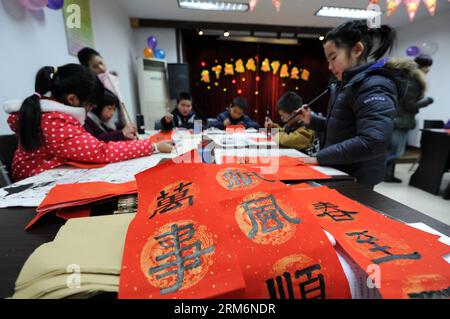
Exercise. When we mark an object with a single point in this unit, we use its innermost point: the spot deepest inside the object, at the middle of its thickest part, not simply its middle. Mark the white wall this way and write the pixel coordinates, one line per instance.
(435, 29)
(29, 41)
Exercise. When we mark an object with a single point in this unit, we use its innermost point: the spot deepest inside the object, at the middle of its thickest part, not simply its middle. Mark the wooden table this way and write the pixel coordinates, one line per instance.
(16, 244)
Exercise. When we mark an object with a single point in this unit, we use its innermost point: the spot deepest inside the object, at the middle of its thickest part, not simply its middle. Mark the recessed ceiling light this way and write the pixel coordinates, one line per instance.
(321, 38)
(226, 34)
(200, 32)
(213, 5)
(350, 13)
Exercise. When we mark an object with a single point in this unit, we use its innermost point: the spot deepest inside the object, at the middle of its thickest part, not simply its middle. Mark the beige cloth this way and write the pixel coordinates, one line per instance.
(90, 247)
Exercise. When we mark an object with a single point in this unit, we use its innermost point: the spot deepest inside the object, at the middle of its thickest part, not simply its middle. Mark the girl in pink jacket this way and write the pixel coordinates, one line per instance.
(51, 132)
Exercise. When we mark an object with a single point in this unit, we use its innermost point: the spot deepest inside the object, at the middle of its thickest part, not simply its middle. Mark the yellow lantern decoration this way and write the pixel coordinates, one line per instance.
(265, 65)
(240, 66)
(295, 73)
(275, 66)
(305, 75)
(217, 70)
(284, 72)
(251, 66)
(205, 76)
(229, 69)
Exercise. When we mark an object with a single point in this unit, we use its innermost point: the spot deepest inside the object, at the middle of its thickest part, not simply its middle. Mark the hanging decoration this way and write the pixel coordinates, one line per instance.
(240, 66)
(251, 65)
(295, 73)
(411, 7)
(431, 6)
(277, 5)
(275, 66)
(305, 75)
(205, 76)
(229, 69)
(217, 70)
(252, 4)
(284, 72)
(391, 6)
(265, 65)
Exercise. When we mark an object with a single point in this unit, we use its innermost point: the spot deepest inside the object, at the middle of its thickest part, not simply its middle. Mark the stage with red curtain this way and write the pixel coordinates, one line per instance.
(261, 89)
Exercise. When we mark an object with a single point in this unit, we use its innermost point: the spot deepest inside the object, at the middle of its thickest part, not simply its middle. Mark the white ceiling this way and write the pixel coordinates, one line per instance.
(293, 12)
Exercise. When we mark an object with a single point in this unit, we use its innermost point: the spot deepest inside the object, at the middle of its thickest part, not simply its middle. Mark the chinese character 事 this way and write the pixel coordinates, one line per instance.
(266, 210)
(173, 201)
(333, 211)
(237, 178)
(311, 288)
(364, 238)
(182, 257)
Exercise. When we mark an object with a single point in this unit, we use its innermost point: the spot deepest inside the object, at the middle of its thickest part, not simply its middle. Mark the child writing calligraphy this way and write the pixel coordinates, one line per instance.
(357, 130)
(50, 129)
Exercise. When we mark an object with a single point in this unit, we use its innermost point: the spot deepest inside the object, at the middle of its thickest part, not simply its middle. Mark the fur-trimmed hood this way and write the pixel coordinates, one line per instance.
(408, 66)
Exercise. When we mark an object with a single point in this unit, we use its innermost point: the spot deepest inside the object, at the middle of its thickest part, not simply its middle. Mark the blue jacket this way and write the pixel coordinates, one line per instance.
(357, 130)
(248, 123)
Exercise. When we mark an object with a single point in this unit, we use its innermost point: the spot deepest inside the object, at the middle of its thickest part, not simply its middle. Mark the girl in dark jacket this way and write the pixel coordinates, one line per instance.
(357, 130)
(99, 121)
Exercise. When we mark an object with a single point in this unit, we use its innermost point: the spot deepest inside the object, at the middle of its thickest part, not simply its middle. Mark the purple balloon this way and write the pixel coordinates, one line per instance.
(55, 4)
(152, 42)
(413, 51)
(34, 5)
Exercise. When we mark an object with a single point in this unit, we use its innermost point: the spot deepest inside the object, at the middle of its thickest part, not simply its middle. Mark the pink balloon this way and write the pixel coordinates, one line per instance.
(34, 5)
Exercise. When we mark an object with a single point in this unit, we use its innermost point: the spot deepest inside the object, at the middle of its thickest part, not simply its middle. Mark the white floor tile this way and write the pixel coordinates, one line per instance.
(429, 204)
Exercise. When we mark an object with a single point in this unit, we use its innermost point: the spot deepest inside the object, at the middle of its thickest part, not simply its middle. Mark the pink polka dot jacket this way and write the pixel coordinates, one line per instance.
(64, 139)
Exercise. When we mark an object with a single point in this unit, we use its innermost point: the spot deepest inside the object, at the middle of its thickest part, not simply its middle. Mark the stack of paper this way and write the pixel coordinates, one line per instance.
(83, 260)
(77, 197)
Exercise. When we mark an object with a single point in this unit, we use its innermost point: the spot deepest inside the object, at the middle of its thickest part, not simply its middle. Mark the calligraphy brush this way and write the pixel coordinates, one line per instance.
(307, 106)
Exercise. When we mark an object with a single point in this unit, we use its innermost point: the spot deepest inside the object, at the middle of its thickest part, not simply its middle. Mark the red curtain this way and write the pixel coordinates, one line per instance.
(210, 52)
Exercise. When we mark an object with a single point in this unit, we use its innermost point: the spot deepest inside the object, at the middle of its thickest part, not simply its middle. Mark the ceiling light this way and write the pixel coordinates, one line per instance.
(200, 32)
(350, 13)
(321, 38)
(213, 5)
(226, 34)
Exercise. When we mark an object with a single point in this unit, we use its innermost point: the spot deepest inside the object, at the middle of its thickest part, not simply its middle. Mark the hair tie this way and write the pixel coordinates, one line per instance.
(38, 95)
(55, 70)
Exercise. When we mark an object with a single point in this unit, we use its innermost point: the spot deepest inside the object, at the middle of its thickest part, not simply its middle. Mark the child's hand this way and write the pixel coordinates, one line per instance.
(226, 122)
(165, 147)
(268, 123)
(129, 131)
(168, 118)
(304, 114)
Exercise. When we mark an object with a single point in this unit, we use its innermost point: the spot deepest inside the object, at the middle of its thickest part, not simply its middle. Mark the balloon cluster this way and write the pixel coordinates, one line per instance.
(152, 51)
(36, 5)
(428, 48)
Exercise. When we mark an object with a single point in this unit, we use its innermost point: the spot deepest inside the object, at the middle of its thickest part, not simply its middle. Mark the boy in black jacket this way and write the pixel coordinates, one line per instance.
(183, 115)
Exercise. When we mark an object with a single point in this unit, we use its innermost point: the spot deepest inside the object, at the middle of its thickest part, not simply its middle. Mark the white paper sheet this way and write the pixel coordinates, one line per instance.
(330, 171)
(31, 191)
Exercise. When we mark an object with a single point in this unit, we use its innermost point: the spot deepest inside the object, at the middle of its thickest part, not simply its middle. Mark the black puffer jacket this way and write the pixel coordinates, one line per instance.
(414, 98)
(357, 130)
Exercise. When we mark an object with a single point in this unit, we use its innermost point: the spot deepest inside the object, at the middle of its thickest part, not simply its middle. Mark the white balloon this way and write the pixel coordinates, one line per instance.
(429, 48)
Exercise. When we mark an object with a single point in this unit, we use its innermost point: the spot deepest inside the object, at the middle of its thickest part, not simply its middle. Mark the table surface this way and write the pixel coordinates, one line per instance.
(16, 244)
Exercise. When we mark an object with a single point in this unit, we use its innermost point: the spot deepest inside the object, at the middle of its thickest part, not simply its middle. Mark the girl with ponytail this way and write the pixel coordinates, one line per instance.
(357, 131)
(49, 124)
